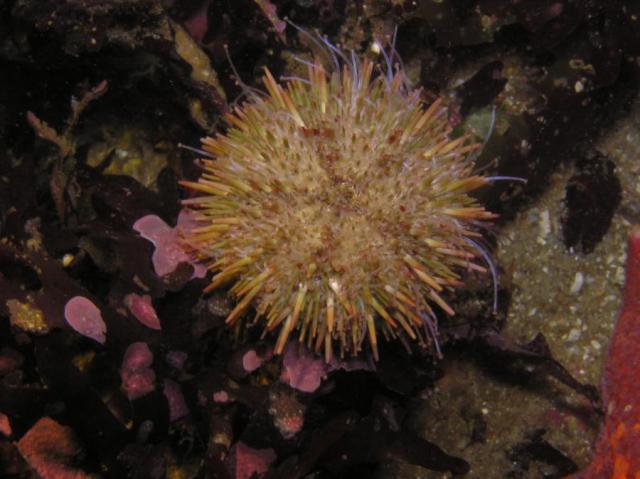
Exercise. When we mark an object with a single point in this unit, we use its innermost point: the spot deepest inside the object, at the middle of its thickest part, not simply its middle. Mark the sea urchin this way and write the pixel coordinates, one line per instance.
(338, 205)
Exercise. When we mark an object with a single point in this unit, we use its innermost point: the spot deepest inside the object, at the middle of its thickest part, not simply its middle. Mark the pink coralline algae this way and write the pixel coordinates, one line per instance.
(221, 397)
(136, 374)
(301, 369)
(177, 405)
(253, 359)
(50, 448)
(251, 463)
(304, 371)
(248, 359)
(142, 309)
(85, 318)
(169, 252)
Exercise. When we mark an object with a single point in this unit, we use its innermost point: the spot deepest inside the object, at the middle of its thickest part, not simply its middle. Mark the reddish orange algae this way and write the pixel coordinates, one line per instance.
(617, 454)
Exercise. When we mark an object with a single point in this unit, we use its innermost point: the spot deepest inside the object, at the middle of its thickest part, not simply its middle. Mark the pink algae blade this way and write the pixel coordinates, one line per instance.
(142, 309)
(168, 253)
(250, 462)
(85, 318)
(138, 379)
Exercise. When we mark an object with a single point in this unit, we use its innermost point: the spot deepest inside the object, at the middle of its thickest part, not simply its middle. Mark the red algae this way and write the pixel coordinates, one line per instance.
(168, 253)
(142, 309)
(177, 405)
(138, 379)
(250, 462)
(617, 454)
(51, 449)
(85, 318)
(301, 369)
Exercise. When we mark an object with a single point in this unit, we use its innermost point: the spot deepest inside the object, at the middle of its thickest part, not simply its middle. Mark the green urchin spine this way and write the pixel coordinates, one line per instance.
(338, 206)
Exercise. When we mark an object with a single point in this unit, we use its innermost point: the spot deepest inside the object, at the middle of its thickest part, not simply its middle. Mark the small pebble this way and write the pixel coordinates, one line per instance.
(574, 335)
(544, 227)
(578, 281)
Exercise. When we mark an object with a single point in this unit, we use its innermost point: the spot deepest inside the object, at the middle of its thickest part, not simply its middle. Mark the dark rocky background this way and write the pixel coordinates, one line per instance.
(94, 99)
